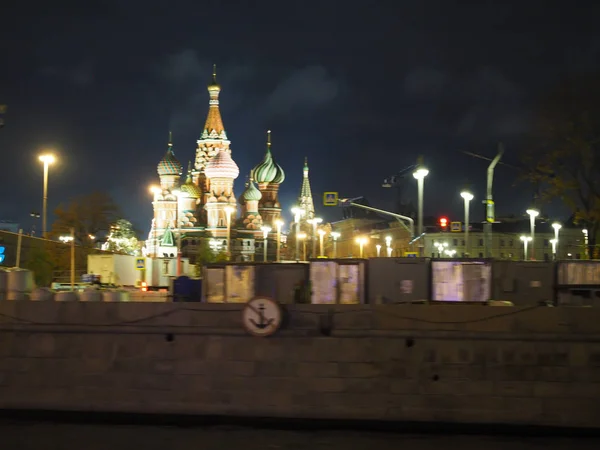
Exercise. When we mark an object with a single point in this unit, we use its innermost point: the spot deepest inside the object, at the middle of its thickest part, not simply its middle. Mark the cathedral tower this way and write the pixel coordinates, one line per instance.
(220, 171)
(305, 201)
(269, 175)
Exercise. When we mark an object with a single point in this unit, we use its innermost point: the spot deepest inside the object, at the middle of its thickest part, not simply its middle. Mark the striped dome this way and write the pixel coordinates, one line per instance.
(169, 165)
(251, 193)
(268, 171)
(222, 166)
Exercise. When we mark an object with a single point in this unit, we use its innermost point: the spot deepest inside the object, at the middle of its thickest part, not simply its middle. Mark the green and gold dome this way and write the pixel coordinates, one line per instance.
(189, 187)
(251, 193)
(169, 164)
(268, 171)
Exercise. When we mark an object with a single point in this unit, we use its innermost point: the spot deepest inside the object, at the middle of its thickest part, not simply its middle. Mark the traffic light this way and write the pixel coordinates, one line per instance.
(444, 223)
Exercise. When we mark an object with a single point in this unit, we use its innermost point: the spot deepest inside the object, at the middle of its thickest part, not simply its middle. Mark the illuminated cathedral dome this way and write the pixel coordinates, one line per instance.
(268, 171)
(222, 166)
(189, 187)
(251, 193)
(169, 165)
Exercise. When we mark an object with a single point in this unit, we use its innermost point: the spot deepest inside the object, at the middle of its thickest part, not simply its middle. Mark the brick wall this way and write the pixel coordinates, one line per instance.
(452, 363)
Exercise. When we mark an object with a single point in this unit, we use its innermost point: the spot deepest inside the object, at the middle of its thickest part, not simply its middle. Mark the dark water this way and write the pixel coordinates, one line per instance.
(45, 436)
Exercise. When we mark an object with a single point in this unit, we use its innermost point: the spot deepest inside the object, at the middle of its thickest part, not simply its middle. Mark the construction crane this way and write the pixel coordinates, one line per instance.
(397, 182)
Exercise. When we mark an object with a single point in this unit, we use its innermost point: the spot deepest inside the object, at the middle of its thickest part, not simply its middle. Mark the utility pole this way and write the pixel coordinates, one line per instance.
(490, 216)
(2, 112)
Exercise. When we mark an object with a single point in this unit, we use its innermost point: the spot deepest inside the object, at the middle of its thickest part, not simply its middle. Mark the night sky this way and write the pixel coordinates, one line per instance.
(360, 88)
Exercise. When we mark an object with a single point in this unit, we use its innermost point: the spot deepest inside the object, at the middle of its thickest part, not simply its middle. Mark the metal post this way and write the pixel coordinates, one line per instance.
(178, 273)
(420, 184)
(265, 248)
(467, 243)
(228, 215)
(314, 238)
(334, 248)
(19, 240)
(532, 224)
(72, 259)
(297, 219)
(45, 203)
(278, 242)
(489, 201)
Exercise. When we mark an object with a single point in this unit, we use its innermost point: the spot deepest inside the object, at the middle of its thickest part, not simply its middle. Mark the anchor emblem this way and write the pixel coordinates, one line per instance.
(263, 321)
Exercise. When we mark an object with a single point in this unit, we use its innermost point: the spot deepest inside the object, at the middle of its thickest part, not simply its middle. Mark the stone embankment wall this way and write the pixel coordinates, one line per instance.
(450, 363)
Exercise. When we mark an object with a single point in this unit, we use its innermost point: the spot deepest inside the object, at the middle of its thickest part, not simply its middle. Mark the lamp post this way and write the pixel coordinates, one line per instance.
(441, 246)
(178, 195)
(46, 159)
(266, 231)
(66, 239)
(526, 240)
(361, 240)
(321, 237)
(278, 224)
(335, 236)
(388, 246)
(420, 175)
(303, 236)
(554, 242)
(314, 222)
(155, 190)
(228, 212)
(450, 253)
(533, 213)
(557, 226)
(297, 212)
(378, 248)
(467, 196)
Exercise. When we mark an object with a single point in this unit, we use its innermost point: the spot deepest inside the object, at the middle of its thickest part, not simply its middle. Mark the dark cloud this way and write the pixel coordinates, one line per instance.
(306, 88)
(81, 74)
(424, 82)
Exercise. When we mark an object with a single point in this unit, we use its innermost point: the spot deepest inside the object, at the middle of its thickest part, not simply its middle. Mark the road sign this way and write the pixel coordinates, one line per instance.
(456, 226)
(490, 215)
(411, 254)
(140, 263)
(261, 316)
(330, 198)
(2, 255)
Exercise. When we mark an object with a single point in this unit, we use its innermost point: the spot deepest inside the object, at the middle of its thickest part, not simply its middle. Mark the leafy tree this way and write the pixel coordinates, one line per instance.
(206, 255)
(89, 215)
(40, 262)
(564, 158)
(122, 238)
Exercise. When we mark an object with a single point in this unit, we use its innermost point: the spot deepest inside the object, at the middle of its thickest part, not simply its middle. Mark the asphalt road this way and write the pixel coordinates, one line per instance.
(47, 436)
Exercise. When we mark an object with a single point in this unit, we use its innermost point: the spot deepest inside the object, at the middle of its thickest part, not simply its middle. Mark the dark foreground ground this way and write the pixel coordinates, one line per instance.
(48, 436)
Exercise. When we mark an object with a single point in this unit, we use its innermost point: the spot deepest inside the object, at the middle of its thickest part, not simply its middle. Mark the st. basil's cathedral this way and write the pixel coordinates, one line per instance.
(204, 208)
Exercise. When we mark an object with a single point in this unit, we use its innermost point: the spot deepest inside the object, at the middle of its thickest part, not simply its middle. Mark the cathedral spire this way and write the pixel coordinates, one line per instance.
(213, 127)
(269, 139)
(170, 143)
(306, 200)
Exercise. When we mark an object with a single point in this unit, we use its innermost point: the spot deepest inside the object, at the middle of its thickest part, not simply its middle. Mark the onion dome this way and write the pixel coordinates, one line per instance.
(252, 193)
(268, 171)
(189, 187)
(222, 166)
(169, 165)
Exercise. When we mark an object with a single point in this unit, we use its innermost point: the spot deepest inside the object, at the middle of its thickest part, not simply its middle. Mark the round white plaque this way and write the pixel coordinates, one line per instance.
(261, 316)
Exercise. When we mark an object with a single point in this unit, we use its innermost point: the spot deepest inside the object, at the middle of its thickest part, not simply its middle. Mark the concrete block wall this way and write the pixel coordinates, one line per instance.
(451, 363)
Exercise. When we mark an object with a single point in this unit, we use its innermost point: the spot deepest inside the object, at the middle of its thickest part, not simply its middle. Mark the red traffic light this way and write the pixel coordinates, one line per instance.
(443, 222)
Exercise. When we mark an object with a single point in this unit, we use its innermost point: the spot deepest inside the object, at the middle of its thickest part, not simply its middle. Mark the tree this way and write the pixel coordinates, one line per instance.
(122, 238)
(206, 255)
(89, 215)
(564, 158)
(40, 262)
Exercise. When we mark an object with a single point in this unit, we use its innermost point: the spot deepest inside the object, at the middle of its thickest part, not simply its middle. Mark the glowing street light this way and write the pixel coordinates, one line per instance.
(302, 236)
(526, 240)
(322, 234)
(533, 213)
(66, 239)
(278, 224)
(178, 195)
(420, 173)
(229, 210)
(557, 226)
(335, 235)
(266, 231)
(298, 213)
(378, 248)
(467, 196)
(388, 246)
(46, 159)
(585, 241)
(450, 253)
(554, 242)
(361, 241)
(441, 246)
(314, 222)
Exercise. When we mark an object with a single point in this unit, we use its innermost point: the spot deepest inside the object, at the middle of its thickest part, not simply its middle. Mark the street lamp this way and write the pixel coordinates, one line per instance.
(314, 222)
(155, 190)
(378, 248)
(557, 226)
(526, 240)
(302, 236)
(228, 212)
(554, 242)
(440, 247)
(388, 246)
(467, 196)
(66, 239)
(361, 240)
(450, 253)
(321, 237)
(298, 213)
(533, 213)
(585, 241)
(178, 195)
(266, 231)
(420, 173)
(335, 236)
(278, 224)
(46, 159)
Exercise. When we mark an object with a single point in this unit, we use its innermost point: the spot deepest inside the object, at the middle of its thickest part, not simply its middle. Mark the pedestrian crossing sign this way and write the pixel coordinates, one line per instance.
(330, 199)
(140, 263)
